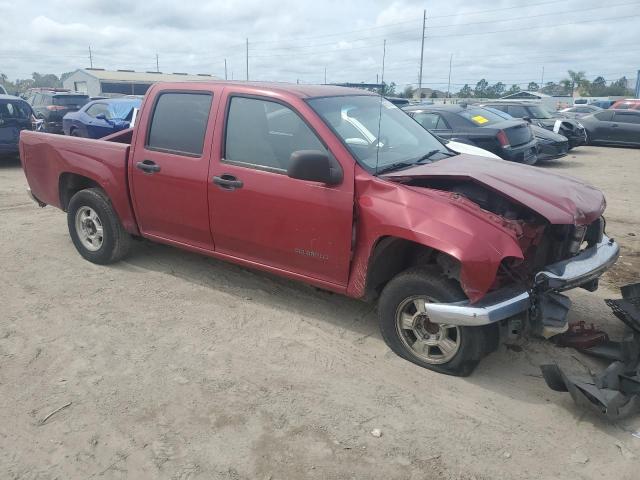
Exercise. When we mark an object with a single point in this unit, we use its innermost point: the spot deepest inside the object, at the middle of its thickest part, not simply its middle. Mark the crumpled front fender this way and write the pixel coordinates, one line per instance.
(443, 221)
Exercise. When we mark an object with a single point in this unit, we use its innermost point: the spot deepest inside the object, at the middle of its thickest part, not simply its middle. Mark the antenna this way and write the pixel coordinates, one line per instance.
(384, 54)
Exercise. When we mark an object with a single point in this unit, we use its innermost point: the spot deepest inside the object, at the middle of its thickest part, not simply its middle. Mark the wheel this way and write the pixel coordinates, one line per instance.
(405, 325)
(95, 228)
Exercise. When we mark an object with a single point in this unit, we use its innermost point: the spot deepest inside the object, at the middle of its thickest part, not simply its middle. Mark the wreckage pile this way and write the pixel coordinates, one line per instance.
(614, 392)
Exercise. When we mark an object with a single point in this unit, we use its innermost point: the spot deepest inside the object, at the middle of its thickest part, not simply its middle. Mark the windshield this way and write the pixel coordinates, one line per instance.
(357, 120)
(537, 111)
(481, 116)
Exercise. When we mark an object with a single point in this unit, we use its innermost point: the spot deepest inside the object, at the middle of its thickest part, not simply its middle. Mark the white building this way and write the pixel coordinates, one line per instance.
(97, 82)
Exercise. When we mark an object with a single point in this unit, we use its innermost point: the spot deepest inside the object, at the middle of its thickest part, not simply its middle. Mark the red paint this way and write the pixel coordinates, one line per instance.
(300, 229)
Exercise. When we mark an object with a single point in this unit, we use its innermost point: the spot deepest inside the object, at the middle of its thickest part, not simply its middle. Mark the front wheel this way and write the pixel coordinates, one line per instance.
(407, 330)
(95, 228)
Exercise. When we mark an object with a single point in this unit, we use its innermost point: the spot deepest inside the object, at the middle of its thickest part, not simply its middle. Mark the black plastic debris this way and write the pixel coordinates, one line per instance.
(614, 392)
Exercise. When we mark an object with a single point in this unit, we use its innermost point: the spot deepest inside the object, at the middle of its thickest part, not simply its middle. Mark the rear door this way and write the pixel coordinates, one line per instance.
(260, 214)
(169, 165)
(626, 127)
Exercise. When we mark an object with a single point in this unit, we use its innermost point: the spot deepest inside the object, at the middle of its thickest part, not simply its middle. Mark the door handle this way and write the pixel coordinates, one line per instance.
(148, 166)
(227, 182)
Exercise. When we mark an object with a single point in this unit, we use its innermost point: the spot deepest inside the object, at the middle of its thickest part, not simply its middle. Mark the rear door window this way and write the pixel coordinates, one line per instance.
(431, 121)
(179, 123)
(626, 118)
(517, 111)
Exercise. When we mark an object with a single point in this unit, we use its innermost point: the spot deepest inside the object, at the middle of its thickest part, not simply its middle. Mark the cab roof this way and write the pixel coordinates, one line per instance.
(301, 91)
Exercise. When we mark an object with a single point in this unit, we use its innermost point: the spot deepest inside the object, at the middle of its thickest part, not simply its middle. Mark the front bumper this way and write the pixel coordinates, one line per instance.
(585, 267)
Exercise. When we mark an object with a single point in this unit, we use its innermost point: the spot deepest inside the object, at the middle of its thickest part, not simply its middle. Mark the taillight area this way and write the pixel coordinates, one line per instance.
(502, 138)
(55, 107)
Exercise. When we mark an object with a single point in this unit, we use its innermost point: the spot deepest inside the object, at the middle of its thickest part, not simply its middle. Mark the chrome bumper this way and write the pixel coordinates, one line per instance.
(495, 306)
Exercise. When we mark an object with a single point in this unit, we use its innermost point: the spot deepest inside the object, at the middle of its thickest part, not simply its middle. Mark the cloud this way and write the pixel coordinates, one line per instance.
(293, 39)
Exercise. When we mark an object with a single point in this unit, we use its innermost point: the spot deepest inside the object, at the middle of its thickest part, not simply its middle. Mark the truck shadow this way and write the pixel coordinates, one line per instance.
(510, 371)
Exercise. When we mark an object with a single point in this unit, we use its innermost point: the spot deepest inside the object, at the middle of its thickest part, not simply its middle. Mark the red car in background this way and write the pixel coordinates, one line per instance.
(627, 104)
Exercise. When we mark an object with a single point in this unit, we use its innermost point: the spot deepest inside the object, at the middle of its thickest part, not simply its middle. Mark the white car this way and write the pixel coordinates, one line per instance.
(469, 149)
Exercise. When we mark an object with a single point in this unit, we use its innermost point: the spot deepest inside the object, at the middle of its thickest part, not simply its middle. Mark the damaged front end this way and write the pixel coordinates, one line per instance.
(555, 258)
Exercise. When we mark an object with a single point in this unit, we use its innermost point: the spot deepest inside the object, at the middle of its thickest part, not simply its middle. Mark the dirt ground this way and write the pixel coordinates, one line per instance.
(171, 365)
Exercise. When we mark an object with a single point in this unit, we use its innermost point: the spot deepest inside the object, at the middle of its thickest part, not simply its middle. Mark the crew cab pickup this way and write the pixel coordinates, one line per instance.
(340, 189)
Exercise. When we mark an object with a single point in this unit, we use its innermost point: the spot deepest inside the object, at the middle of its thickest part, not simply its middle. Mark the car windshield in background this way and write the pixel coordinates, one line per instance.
(357, 120)
(10, 110)
(481, 116)
(539, 112)
(500, 113)
(70, 100)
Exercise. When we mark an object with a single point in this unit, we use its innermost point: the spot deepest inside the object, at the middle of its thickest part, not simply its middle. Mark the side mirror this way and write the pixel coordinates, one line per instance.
(527, 119)
(102, 116)
(315, 166)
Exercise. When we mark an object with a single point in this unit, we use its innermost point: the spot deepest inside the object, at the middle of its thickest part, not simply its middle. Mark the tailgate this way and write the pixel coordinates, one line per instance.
(518, 134)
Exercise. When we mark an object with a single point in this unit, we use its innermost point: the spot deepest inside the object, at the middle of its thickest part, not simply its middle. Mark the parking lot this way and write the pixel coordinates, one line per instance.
(173, 365)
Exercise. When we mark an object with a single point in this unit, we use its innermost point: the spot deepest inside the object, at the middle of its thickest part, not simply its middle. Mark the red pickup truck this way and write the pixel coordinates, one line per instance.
(340, 189)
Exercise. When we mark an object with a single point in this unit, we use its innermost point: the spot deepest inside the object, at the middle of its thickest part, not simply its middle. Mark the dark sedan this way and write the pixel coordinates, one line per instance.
(100, 118)
(15, 115)
(613, 127)
(509, 139)
(537, 115)
(551, 145)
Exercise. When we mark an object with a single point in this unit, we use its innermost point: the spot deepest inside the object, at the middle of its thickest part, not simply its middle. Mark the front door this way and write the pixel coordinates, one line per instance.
(260, 214)
(169, 167)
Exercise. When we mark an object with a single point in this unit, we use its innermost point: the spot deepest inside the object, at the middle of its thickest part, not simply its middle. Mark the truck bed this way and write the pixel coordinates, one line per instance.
(51, 161)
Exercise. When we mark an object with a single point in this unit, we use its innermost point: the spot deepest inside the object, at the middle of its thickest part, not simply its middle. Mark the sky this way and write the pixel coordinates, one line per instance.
(296, 40)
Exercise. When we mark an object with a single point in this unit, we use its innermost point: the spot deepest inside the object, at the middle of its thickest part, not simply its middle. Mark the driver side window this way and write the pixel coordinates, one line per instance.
(263, 134)
(98, 108)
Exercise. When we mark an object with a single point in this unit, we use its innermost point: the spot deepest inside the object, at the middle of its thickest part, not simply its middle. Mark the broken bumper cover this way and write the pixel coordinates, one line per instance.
(501, 304)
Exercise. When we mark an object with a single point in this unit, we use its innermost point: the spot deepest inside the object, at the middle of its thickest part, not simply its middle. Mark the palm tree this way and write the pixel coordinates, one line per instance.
(576, 79)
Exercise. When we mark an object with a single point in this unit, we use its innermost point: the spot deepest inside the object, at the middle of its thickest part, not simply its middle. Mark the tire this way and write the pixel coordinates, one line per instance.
(95, 228)
(401, 293)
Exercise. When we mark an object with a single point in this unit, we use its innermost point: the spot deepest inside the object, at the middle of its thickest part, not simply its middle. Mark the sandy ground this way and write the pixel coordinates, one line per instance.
(172, 365)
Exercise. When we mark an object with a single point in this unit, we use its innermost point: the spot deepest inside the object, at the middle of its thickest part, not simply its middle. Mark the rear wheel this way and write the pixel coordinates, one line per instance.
(95, 228)
(408, 331)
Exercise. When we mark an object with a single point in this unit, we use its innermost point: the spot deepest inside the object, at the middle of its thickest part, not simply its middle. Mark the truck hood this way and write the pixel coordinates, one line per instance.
(560, 199)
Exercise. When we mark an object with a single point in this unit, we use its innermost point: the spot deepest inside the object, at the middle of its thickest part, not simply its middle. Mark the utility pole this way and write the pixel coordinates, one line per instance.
(90, 57)
(449, 84)
(325, 75)
(157, 64)
(225, 69)
(542, 78)
(377, 78)
(424, 24)
(247, 59)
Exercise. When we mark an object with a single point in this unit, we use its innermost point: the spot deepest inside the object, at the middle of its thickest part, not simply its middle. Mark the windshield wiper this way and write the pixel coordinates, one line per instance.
(394, 166)
(431, 153)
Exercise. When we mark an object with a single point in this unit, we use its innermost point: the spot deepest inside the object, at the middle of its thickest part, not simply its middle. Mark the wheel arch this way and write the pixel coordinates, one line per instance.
(71, 183)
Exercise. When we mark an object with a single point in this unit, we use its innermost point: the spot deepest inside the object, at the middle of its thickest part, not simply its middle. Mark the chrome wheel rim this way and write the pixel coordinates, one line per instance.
(89, 229)
(434, 343)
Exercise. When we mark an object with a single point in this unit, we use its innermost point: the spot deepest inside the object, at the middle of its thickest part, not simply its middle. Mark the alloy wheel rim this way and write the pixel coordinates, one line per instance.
(434, 343)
